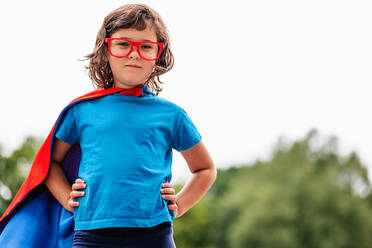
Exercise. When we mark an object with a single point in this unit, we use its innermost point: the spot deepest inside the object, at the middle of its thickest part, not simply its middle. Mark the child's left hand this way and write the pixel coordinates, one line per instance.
(168, 193)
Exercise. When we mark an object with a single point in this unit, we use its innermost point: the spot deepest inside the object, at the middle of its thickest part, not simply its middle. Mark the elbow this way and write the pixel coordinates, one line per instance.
(211, 171)
(214, 173)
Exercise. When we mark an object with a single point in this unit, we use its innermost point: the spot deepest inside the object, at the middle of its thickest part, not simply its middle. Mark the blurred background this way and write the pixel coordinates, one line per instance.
(279, 91)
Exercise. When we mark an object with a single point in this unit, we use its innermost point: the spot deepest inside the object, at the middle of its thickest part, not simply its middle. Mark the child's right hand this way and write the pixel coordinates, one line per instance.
(79, 184)
(167, 192)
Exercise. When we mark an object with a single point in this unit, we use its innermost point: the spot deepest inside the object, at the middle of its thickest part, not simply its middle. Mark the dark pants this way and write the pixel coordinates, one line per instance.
(160, 236)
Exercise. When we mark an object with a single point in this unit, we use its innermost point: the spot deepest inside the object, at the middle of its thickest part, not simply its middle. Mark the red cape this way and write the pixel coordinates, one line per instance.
(35, 218)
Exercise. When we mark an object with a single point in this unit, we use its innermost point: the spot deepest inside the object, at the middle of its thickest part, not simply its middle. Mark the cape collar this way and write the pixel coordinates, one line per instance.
(137, 91)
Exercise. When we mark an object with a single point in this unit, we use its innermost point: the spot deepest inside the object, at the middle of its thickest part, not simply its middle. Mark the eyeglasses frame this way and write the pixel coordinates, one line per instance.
(133, 44)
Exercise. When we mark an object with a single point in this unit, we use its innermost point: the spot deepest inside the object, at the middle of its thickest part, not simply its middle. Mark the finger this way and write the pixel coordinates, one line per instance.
(75, 194)
(172, 207)
(72, 203)
(77, 186)
(79, 180)
(167, 185)
(172, 198)
(167, 191)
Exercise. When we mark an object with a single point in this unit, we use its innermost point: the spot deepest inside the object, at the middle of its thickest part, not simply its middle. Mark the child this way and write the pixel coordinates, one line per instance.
(126, 134)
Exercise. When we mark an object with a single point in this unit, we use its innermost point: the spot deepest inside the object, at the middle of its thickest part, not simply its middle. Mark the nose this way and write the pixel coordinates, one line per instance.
(134, 53)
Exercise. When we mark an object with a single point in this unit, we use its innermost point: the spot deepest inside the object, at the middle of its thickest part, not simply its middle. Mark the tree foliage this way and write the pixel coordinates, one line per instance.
(15, 168)
(305, 195)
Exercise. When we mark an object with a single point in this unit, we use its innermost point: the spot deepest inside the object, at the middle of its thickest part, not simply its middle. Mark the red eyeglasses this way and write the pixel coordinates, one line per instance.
(120, 48)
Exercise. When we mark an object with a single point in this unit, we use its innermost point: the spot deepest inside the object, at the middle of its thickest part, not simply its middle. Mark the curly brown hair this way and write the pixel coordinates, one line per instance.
(136, 16)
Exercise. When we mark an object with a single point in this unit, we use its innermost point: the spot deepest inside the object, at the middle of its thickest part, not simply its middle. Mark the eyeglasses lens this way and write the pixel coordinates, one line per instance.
(121, 48)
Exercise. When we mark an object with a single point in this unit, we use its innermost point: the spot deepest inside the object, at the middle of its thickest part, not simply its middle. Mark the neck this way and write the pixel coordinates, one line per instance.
(126, 86)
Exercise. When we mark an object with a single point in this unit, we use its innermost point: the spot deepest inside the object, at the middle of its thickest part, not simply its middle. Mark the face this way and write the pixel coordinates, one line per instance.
(126, 76)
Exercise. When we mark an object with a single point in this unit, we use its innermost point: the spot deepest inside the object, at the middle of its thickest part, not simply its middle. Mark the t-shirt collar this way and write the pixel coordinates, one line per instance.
(147, 91)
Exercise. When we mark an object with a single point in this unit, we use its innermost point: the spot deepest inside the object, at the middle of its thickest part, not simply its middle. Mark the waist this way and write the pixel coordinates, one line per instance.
(119, 231)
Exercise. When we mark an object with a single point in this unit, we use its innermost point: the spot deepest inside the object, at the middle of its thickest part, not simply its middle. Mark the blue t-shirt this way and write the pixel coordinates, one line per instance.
(126, 144)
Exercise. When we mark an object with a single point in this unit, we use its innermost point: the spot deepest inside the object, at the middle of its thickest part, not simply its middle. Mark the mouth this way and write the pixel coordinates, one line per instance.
(133, 66)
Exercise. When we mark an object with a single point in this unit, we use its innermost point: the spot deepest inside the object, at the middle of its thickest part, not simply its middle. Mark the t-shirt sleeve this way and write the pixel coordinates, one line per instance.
(67, 130)
(186, 134)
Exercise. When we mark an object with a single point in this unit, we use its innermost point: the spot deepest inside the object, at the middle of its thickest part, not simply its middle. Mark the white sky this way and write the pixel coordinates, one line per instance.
(246, 72)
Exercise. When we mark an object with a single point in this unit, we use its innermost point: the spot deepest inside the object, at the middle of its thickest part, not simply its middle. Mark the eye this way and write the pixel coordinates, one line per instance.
(124, 44)
(147, 46)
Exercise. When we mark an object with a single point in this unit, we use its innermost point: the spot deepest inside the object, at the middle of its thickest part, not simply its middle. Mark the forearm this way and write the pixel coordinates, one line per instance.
(58, 185)
(194, 189)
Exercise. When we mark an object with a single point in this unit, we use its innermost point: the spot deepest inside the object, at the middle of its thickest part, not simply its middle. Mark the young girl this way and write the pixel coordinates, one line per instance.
(126, 138)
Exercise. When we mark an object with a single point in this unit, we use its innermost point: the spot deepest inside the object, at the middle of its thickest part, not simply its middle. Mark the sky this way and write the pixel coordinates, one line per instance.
(246, 72)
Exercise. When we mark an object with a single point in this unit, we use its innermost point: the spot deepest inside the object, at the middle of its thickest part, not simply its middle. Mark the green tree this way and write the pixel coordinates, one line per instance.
(192, 228)
(15, 168)
(305, 195)
(302, 197)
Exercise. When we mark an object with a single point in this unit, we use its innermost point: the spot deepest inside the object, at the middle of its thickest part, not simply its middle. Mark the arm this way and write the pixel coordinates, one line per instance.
(204, 174)
(56, 181)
